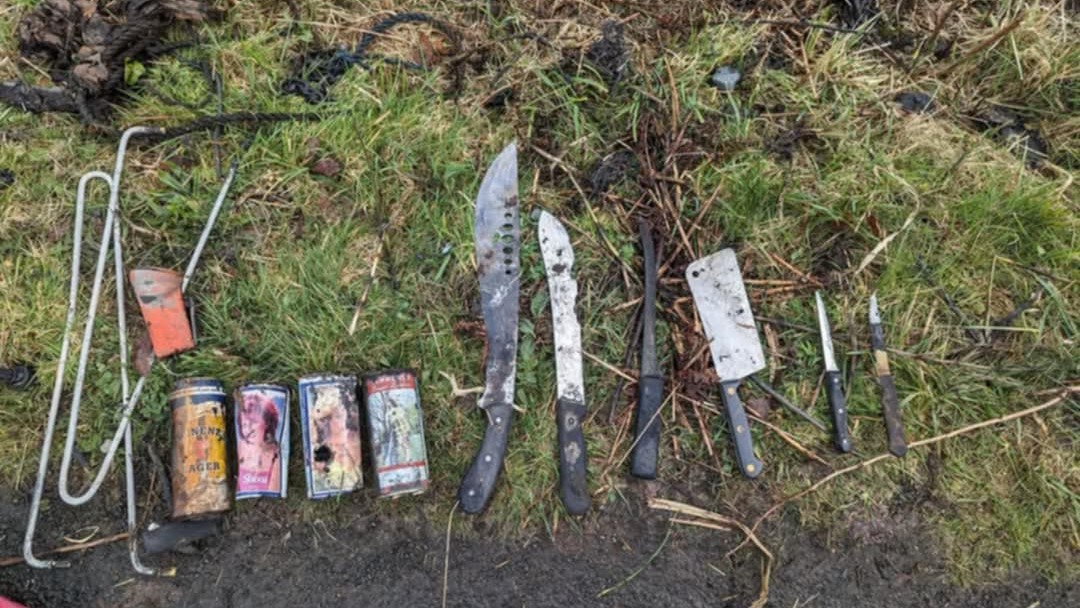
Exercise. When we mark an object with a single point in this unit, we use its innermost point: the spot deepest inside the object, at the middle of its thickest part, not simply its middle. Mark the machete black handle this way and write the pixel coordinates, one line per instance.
(479, 481)
(834, 389)
(749, 465)
(890, 406)
(573, 461)
(647, 428)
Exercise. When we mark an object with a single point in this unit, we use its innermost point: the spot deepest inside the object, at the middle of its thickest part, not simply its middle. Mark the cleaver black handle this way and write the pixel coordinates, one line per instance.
(479, 481)
(573, 460)
(739, 425)
(647, 427)
(834, 389)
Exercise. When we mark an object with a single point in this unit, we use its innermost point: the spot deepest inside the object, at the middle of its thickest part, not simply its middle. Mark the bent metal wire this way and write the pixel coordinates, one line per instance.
(129, 397)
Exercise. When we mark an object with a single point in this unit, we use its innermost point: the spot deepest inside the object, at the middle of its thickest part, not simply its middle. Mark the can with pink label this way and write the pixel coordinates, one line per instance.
(261, 416)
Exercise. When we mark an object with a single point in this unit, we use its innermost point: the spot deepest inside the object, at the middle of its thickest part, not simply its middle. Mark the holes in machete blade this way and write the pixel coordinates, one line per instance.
(323, 454)
(509, 228)
(508, 250)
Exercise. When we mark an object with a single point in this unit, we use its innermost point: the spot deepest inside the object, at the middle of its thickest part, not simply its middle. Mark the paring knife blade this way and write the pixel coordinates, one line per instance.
(558, 256)
(497, 246)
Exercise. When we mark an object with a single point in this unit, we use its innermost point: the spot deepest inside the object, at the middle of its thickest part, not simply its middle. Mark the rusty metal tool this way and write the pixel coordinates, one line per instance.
(890, 403)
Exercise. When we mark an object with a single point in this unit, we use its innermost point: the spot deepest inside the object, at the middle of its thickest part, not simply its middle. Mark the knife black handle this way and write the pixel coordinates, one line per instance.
(573, 460)
(890, 406)
(647, 428)
(479, 481)
(834, 389)
(739, 425)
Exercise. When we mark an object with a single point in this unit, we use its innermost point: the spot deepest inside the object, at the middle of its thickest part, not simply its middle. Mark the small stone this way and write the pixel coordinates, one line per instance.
(915, 102)
(725, 78)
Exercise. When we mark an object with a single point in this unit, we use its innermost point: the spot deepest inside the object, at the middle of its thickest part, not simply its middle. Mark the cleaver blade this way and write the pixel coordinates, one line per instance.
(720, 296)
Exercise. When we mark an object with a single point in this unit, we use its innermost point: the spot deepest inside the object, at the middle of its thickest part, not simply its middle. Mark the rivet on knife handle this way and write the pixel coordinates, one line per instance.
(748, 463)
(572, 456)
(479, 481)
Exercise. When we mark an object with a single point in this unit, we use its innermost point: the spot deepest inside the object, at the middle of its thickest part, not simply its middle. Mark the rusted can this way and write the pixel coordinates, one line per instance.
(200, 480)
(261, 419)
(396, 432)
(330, 421)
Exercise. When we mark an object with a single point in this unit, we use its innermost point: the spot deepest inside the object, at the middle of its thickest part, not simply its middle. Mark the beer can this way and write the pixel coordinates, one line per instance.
(200, 481)
(330, 421)
(396, 432)
(261, 420)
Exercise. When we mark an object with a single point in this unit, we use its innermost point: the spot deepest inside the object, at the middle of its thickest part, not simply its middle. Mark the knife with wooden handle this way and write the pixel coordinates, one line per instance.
(890, 403)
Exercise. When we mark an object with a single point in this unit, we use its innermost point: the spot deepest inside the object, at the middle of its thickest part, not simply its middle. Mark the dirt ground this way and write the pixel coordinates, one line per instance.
(268, 557)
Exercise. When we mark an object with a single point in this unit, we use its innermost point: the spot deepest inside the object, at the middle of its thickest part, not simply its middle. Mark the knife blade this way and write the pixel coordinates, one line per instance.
(834, 388)
(643, 457)
(720, 297)
(497, 247)
(890, 403)
(558, 256)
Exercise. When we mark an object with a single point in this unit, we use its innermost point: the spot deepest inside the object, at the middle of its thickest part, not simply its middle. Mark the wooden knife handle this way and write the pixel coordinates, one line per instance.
(749, 465)
(573, 460)
(834, 388)
(647, 427)
(890, 406)
(479, 481)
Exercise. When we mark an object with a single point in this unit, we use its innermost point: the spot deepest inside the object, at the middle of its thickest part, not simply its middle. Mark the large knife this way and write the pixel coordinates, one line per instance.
(720, 297)
(497, 244)
(570, 382)
(646, 448)
(834, 388)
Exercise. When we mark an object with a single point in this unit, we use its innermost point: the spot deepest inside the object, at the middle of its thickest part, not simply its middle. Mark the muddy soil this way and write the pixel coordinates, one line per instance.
(269, 557)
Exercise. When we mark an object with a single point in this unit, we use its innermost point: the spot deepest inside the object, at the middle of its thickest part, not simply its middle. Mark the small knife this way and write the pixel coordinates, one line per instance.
(650, 383)
(570, 402)
(497, 245)
(890, 404)
(833, 386)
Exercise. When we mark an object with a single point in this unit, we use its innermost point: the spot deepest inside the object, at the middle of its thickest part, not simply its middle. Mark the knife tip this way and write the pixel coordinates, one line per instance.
(875, 314)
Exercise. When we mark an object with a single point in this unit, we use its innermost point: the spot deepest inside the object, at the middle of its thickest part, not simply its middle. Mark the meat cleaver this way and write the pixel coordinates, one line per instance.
(720, 298)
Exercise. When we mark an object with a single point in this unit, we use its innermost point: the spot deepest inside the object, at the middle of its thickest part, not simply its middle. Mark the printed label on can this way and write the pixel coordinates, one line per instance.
(199, 469)
(261, 416)
(330, 417)
(396, 427)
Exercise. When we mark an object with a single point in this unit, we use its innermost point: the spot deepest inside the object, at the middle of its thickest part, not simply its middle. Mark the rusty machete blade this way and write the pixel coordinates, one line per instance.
(497, 245)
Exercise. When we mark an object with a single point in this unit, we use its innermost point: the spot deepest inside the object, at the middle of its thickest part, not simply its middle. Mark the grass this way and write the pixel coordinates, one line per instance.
(808, 161)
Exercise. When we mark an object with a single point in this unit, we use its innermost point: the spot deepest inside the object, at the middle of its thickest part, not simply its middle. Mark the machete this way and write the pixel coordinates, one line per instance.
(720, 297)
(833, 387)
(497, 246)
(646, 449)
(570, 400)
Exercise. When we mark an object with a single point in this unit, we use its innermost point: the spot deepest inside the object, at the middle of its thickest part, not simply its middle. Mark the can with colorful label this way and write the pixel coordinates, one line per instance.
(261, 419)
(330, 421)
(396, 432)
(200, 479)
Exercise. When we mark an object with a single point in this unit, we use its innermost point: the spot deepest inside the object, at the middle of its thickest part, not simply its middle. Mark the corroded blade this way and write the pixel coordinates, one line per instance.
(720, 297)
(498, 243)
(559, 263)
